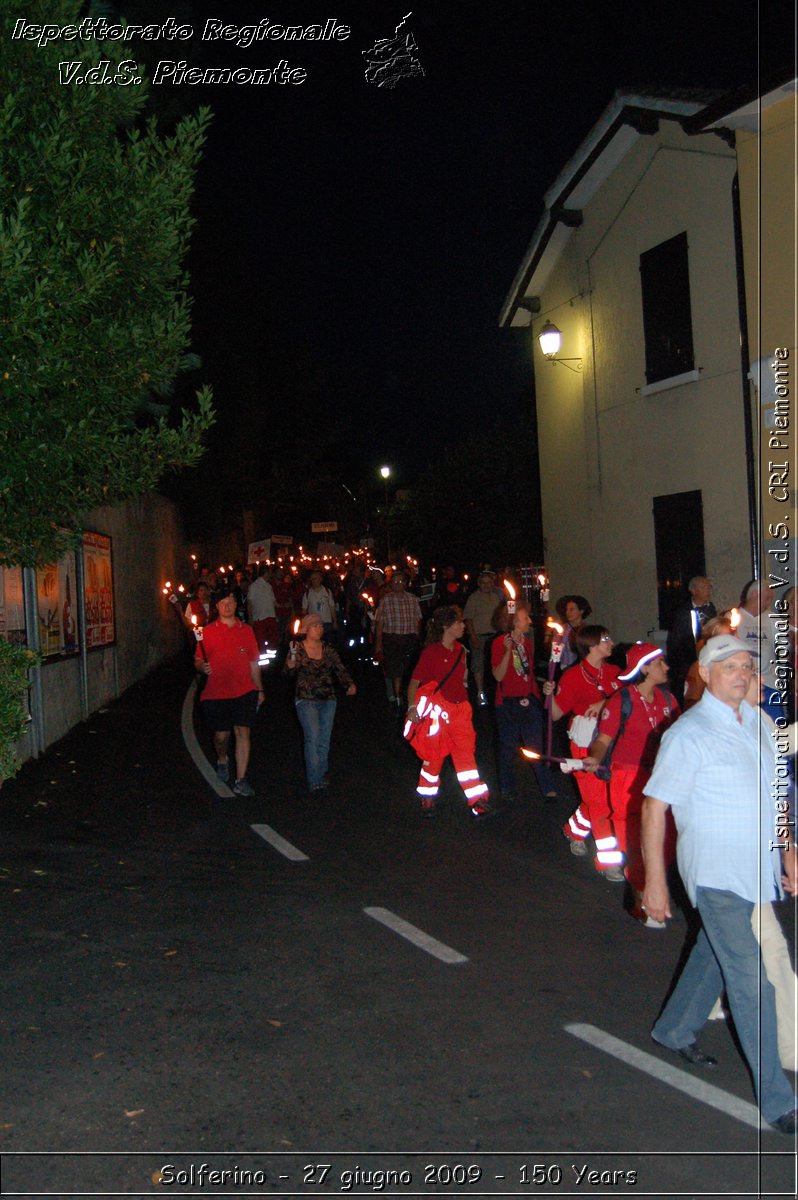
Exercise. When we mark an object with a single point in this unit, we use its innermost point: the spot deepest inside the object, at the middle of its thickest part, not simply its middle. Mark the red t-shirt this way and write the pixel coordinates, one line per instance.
(644, 727)
(519, 678)
(230, 650)
(433, 665)
(582, 685)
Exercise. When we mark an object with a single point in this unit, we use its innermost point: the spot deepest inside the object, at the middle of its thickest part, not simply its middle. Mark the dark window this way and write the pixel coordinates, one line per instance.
(667, 320)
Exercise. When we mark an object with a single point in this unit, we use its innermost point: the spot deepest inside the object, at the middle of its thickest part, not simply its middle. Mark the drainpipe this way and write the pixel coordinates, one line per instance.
(745, 367)
(30, 604)
(80, 588)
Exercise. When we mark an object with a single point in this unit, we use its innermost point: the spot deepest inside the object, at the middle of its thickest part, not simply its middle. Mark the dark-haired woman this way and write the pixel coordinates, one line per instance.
(442, 662)
(573, 611)
(519, 712)
(582, 692)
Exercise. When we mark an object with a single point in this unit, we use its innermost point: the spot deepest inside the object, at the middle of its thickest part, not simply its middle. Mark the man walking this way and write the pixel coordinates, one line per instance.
(397, 636)
(716, 770)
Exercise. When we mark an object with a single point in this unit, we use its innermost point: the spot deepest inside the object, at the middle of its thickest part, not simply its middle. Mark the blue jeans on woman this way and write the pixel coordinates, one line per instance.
(316, 718)
(726, 956)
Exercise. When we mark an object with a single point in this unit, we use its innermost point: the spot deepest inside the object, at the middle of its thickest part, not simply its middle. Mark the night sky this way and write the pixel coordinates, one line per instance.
(355, 243)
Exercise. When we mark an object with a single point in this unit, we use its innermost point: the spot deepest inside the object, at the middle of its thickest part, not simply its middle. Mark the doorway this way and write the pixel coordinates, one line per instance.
(679, 547)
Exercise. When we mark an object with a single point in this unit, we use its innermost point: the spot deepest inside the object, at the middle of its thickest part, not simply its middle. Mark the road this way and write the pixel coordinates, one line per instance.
(183, 998)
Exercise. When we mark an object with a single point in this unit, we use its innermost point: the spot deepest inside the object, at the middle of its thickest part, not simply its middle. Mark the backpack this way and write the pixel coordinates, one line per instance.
(604, 769)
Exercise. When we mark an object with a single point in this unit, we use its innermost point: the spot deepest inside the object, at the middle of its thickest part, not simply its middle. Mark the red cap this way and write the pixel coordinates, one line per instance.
(637, 656)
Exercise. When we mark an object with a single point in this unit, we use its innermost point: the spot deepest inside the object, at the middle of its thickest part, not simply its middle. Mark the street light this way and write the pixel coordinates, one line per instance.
(386, 475)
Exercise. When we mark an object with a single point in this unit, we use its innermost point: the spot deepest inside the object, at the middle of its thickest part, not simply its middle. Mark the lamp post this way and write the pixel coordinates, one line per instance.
(386, 475)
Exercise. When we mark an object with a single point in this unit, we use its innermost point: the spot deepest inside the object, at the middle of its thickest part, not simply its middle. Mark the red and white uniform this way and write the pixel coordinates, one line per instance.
(580, 686)
(434, 663)
(631, 764)
(230, 650)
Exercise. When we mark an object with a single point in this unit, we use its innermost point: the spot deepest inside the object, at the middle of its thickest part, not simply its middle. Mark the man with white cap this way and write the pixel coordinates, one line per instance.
(716, 770)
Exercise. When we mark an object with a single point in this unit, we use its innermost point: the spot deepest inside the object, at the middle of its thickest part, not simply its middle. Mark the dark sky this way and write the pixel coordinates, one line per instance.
(368, 236)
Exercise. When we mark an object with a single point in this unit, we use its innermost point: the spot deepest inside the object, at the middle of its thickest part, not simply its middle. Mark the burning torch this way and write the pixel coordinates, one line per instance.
(566, 764)
(557, 645)
(198, 634)
(510, 590)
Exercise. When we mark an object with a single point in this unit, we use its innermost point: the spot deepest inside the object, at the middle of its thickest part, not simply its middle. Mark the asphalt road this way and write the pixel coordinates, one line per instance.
(178, 992)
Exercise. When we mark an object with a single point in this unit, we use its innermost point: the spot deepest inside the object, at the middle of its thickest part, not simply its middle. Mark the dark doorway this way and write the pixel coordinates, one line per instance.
(679, 545)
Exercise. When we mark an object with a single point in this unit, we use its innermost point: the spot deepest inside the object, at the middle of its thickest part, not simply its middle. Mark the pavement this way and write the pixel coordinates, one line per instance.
(174, 981)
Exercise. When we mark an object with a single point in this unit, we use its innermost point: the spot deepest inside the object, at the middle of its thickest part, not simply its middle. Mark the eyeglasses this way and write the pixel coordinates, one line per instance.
(605, 637)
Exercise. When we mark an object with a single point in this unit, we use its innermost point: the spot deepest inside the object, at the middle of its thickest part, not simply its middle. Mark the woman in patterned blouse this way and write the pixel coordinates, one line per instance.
(316, 666)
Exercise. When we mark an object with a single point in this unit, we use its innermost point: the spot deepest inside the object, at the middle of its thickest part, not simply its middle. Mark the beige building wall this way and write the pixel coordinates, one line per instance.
(607, 450)
(768, 169)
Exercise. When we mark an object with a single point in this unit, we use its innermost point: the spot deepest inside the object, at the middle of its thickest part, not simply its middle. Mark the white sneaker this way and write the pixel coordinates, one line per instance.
(614, 875)
(578, 849)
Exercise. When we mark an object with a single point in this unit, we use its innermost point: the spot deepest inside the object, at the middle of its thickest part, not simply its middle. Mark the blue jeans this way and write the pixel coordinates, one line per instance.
(726, 957)
(316, 718)
(521, 725)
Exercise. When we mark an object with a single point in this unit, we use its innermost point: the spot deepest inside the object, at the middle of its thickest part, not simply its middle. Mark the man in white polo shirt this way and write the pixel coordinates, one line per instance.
(716, 769)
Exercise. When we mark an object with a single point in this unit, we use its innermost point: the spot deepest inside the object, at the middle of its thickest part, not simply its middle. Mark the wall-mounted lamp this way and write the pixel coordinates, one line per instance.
(550, 340)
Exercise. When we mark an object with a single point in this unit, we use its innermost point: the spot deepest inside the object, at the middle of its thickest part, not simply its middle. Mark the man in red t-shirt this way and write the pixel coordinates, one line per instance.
(232, 689)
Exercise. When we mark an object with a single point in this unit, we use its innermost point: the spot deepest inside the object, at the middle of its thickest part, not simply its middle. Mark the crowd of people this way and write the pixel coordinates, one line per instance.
(672, 748)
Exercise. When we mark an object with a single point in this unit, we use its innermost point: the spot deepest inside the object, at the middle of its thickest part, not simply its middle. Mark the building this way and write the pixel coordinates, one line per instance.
(646, 420)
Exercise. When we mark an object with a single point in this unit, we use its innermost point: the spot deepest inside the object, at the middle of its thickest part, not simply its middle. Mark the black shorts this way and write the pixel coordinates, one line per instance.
(399, 651)
(222, 715)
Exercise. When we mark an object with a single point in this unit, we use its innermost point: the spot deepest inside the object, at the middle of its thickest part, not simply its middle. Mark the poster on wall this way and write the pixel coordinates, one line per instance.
(58, 631)
(99, 590)
(12, 612)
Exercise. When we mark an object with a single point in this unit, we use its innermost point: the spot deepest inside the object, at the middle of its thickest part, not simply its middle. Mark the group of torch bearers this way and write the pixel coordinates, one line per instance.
(616, 718)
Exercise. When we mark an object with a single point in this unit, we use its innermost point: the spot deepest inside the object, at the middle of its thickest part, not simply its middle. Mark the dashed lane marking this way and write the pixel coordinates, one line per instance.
(707, 1093)
(192, 745)
(417, 936)
(280, 844)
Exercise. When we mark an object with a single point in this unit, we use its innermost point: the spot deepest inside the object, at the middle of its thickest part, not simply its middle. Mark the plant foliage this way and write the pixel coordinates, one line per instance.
(15, 661)
(94, 311)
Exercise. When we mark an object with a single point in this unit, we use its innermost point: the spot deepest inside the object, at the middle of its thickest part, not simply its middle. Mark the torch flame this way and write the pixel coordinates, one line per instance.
(194, 619)
(296, 625)
(165, 591)
(530, 754)
(509, 589)
(558, 629)
(734, 618)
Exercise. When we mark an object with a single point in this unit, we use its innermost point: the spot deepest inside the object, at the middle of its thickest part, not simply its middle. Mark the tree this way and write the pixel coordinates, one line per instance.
(94, 312)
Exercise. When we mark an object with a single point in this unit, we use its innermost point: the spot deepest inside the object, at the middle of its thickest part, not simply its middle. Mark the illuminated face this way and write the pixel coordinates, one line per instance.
(485, 583)
(657, 671)
(522, 621)
(728, 681)
(605, 645)
(573, 613)
(701, 591)
(227, 606)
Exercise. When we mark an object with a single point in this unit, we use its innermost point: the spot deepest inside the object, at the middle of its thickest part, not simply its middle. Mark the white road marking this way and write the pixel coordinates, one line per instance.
(416, 936)
(280, 844)
(192, 745)
(707, 1093)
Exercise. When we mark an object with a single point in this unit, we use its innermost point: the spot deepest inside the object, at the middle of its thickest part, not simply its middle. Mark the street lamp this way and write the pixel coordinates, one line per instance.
(386, 475)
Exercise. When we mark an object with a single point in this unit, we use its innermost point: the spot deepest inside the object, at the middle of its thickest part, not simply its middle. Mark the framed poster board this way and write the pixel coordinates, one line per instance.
(12, 608)
(98, 588)
(55, 591)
